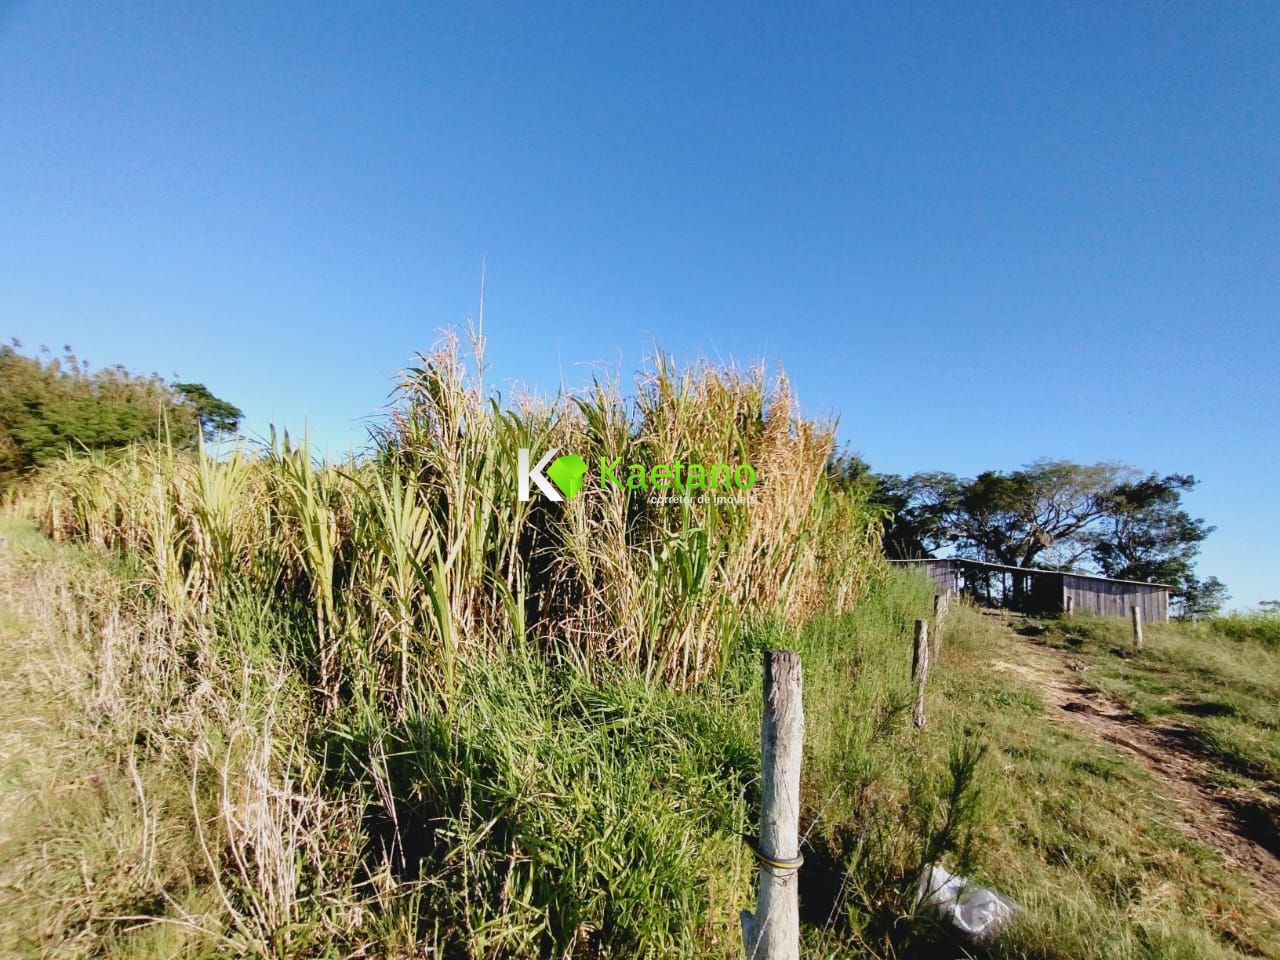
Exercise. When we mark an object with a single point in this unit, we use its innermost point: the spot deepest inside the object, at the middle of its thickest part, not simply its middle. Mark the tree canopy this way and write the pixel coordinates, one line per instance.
(52, 404)
(217, 417)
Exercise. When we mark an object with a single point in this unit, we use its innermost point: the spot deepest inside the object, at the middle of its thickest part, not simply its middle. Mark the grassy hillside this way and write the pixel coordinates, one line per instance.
(178, 793)
(264, 707)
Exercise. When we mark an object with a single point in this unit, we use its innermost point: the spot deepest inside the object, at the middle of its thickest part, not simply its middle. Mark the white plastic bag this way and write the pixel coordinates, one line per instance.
(978, 913)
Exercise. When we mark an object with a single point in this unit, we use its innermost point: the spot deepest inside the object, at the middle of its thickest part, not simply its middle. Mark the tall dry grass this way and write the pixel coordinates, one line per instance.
(419, 556)
(159, 795)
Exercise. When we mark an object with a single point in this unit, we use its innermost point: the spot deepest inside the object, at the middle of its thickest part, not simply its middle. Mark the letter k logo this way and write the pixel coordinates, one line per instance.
(525, 475)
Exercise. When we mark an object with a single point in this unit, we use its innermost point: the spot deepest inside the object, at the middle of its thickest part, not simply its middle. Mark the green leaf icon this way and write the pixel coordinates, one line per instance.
(567, 473)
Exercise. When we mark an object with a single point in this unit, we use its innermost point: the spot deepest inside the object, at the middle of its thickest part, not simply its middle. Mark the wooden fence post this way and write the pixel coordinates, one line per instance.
(773, 931)
(920, 668)
(941, 607)
(1136, 613)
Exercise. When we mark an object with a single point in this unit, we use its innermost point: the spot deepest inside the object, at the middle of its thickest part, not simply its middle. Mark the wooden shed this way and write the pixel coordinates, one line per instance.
(1082, 593)
(1044, 591)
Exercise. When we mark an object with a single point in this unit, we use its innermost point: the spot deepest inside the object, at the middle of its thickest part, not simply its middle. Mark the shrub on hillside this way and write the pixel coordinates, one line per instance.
(1262, 627)
(48, 408)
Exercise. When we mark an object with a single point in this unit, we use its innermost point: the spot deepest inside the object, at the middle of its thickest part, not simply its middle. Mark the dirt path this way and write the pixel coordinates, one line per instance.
(1205, 814)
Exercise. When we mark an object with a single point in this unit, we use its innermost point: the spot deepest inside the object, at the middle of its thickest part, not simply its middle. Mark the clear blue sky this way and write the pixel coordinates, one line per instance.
(981, 233)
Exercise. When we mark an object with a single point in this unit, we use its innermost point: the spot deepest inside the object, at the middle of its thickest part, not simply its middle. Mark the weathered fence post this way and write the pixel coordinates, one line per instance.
(773, 931)
(920, 668)
(941, 606)
(1136, 613)
(1070, 604)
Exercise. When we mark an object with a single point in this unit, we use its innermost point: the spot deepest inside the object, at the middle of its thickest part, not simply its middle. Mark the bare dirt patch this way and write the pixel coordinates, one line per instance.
(1242, 832)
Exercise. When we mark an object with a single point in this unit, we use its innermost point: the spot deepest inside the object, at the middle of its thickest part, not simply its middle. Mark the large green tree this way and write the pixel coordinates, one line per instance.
(1145, 533)
(51, 404)
(217, 417)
